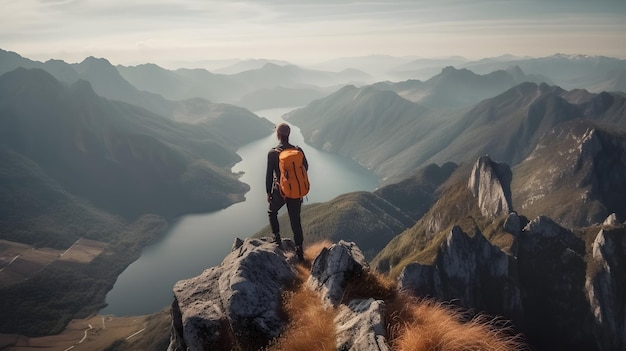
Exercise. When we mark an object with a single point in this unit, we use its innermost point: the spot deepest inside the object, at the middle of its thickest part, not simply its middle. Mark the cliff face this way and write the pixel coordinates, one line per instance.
(548, 290)
(235, 302)
(606, 288)
(490, 182)
(575, 175)
(562, 289)
(236, 305)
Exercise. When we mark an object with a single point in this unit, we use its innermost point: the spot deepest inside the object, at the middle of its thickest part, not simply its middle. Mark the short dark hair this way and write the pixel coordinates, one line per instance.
(283, 131)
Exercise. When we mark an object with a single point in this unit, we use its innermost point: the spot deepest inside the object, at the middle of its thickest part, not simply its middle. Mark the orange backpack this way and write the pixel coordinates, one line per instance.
(294, 181)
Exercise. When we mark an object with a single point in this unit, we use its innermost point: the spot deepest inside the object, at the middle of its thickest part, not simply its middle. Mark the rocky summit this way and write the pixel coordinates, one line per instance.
(546, 288)
(236, 305)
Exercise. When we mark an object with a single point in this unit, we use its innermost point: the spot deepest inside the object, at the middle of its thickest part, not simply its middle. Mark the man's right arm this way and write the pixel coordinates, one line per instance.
(269, 174)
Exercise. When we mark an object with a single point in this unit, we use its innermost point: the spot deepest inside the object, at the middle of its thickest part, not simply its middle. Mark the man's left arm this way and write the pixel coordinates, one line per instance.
(304, 160)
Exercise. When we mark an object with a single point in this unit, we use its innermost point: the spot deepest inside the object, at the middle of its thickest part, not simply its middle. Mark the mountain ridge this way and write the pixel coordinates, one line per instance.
(506, 126)
(91, 132)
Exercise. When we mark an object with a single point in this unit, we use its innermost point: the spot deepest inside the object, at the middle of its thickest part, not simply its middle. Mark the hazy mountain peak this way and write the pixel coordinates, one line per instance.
(93, 65)
(91, 60)
(29, 79)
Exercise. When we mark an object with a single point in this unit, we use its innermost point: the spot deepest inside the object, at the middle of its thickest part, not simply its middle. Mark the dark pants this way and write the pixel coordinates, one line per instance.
(293, 208)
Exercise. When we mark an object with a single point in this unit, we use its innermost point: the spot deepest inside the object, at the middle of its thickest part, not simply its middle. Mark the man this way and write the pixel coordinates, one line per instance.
(274, 196)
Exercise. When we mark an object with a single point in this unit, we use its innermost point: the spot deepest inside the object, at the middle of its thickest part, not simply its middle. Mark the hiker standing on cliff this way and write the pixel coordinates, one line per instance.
(286, 182)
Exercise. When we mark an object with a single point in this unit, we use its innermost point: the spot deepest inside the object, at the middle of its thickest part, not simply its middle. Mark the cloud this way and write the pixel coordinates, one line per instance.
(292, 29)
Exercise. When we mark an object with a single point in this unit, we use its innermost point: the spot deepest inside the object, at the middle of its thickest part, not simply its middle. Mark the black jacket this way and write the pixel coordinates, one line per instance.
(273, 172)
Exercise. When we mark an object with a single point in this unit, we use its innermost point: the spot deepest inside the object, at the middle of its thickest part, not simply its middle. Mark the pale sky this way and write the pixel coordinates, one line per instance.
(131, 32)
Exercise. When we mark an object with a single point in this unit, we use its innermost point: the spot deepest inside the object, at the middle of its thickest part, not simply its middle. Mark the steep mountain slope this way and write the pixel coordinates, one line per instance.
(283, 85)
(271, 75)
(424, 68)
(393, 136)
(362, 217)
(568, 71)
(107, 81)
(454, 88)
(576, 175)
(549, 280)
(183, 83)
(246, 65)
(415, 195)
(371, 219)
(121, 158)
(36, 210)
(371, 126)
(229, 125)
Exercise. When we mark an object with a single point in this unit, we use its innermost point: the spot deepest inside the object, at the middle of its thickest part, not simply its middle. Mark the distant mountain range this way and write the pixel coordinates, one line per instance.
(119, 157)
(87, 148)
(454, 88)
(394, 136)
(567, 71)
(260, 84)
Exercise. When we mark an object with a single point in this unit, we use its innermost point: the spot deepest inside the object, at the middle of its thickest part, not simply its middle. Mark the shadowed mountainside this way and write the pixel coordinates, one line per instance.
(122, 158)
(357, 122)
(260, 298)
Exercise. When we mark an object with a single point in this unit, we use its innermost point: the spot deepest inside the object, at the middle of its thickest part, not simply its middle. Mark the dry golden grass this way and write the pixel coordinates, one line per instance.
(311, 251)
(428, 325)
(310, 326)
(412, 324)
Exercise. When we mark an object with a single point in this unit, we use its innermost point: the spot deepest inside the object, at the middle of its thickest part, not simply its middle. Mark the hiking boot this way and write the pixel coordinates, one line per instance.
(278, 241)
(299, 254)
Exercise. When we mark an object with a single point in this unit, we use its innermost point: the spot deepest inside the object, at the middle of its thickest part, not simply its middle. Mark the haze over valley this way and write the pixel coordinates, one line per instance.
(472, 153)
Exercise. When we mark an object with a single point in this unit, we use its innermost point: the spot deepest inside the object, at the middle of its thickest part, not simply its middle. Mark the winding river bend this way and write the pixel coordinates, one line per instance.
(198, 242)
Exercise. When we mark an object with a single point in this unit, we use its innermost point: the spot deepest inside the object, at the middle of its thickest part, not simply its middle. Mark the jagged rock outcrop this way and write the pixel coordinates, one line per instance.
(490, 182)
(575, 175)
(469, 270)
(514, 223)
(551, 265)
(361, 321)
(238, 303)
(606, 288)
(361, 326)
(235, 302)
(543, 287)
(611, 220)
(332, 267)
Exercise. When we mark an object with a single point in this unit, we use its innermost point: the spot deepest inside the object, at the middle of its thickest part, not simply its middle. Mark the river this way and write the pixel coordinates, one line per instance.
(197, 242)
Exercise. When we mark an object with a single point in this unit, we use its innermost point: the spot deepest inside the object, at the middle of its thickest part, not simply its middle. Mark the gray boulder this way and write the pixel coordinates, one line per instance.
(361, 326)
(332, 268)
(236, 303)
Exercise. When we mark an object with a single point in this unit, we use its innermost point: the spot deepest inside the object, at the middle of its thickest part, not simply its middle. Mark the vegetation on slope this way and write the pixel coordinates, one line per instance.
(46, 302)
(455, 206)
(416, 325)
(362, 217)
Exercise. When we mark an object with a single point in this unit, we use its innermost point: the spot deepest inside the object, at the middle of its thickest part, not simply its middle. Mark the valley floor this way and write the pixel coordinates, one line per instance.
(94, 333)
